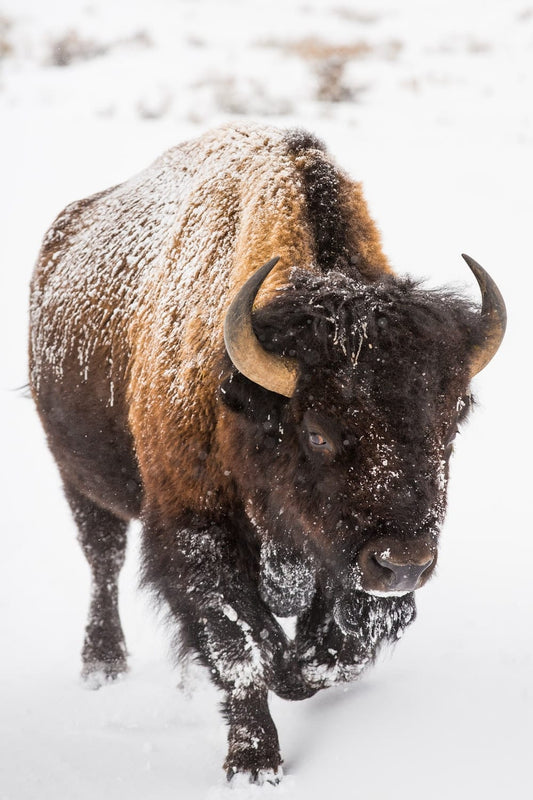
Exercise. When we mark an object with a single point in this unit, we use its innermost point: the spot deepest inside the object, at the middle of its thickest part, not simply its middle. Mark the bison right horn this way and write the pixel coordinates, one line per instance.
(276, 373)
(493, 317)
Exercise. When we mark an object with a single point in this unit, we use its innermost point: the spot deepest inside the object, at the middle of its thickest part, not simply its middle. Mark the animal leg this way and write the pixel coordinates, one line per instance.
(102, 536)
(328, 654)
(207, 583)
(325, 654)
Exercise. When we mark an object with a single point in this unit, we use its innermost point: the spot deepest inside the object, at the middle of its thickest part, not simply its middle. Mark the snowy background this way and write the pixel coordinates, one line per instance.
(430, 104)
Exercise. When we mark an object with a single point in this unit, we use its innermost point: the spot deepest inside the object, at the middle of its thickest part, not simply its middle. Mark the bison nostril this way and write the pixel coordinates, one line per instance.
(401, 577)
(383, 565)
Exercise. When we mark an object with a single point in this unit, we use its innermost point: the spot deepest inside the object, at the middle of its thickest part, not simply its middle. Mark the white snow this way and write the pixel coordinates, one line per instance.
(438, 124)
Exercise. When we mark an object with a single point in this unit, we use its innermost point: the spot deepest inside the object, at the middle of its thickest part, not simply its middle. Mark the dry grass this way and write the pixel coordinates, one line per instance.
(328, 61)
(353, 15)
(526, 14)
(241, 97)
(71, 47)
(312, 48)
(331, 84)
(5, 45)
(475, 46)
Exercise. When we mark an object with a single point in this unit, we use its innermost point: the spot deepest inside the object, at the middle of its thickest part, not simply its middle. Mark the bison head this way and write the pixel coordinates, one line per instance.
(345, 399)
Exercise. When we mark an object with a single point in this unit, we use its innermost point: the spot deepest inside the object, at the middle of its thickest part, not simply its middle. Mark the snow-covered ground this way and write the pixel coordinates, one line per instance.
(430, 104)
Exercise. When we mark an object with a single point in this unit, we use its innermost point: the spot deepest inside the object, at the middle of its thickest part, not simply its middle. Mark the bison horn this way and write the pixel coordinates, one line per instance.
(275, 373)
(493, 317)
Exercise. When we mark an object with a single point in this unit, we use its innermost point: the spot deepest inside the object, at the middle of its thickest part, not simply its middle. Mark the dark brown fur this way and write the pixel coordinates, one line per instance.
(147, 417)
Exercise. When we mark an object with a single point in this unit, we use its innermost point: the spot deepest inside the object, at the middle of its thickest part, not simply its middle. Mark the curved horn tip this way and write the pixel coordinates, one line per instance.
(494, 313)
(493, 301)
(476, 268)
(272, 263)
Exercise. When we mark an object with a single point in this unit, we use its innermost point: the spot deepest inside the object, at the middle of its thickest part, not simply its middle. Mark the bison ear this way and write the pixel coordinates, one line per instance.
(251, 400)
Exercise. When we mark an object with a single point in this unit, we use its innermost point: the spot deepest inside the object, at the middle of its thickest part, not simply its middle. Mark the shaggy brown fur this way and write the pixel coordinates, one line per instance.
(205, 214)
(243, 515)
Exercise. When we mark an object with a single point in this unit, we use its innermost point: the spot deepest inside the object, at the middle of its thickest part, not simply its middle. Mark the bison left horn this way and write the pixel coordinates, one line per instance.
(276, 373)
(493, 317)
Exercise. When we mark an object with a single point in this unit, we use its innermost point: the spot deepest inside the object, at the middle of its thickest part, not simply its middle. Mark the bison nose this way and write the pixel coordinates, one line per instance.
(401, 577)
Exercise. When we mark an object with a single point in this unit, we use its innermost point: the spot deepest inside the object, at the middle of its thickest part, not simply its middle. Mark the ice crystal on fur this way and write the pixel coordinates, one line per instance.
(254, 503)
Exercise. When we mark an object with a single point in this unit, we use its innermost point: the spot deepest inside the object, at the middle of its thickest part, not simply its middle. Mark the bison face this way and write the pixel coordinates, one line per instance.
(344, 481)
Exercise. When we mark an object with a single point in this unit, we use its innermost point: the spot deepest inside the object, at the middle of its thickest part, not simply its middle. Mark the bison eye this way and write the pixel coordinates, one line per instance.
(318, 442)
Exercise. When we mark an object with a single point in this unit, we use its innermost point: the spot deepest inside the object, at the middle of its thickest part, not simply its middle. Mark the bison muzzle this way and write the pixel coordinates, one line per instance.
(220, 348)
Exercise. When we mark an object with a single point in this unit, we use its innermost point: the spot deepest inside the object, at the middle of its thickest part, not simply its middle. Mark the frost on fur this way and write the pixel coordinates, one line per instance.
(319, 494)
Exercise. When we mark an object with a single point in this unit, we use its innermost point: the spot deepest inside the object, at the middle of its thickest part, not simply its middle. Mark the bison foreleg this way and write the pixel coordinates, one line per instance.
(328, 653)
(325, 654)
(200, 571)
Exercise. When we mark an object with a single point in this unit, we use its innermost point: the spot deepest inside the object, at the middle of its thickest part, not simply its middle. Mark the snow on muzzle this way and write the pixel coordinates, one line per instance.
(377, 589)
(371, 619)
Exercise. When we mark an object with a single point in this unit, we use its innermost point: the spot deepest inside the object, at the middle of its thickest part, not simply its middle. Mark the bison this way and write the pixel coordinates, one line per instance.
(220, 348)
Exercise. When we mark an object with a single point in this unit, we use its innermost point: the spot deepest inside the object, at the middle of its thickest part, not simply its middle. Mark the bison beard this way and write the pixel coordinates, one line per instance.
(302, 470)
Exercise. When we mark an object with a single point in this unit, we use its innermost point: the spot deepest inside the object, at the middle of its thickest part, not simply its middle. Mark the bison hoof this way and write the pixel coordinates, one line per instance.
(96, 674)
(259, 777)
(259, 763)
(295, 688)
